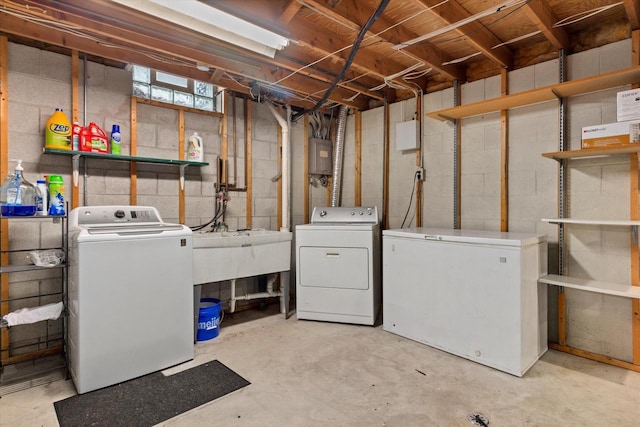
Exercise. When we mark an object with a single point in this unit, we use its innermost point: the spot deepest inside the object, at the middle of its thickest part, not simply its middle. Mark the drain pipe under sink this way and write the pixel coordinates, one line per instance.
(286, 213)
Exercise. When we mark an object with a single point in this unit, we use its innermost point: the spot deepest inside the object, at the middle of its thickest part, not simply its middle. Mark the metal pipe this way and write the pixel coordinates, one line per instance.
(338, 155)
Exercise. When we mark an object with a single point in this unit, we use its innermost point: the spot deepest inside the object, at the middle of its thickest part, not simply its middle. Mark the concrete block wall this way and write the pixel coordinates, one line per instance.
(40, 81)
(598, 188)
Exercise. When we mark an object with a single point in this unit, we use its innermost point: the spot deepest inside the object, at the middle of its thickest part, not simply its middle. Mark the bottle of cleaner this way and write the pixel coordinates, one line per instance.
(99, 140)
(58, 131)
(76, 129)
(195, 152)
(85, 139)
(42, 198)
(115, 140)
(56, 195)
(20, 196)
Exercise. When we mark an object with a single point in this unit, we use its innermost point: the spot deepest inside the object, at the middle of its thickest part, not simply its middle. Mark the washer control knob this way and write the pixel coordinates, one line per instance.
(361, 213)
(353, 213)
(119, 213)
(323, 213)
(370, 213)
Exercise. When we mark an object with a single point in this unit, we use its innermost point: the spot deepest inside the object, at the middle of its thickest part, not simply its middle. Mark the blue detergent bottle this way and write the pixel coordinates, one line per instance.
(18, 195)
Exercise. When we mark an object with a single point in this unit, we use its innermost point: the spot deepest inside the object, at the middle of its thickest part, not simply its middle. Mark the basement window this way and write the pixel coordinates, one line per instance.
(171, 89)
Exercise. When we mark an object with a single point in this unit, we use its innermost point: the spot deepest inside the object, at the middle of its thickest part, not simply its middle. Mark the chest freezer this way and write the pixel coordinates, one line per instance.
(471, 293)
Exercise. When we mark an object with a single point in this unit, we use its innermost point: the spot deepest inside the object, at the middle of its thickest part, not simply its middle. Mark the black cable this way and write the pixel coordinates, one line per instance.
(413, 189)
(354, 49)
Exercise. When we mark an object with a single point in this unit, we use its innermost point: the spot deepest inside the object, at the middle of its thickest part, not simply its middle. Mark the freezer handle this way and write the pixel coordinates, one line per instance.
(332, 254)
(432, 237)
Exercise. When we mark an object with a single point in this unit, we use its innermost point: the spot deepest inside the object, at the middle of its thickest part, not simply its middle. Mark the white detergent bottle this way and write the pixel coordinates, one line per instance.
(195, 151)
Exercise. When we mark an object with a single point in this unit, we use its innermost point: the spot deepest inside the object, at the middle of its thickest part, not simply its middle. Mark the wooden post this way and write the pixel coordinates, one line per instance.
(279, 184)
(385, 184)
(305, 173)
(633, 215)
(504, 156)
(181, 202)
(419, 163)
(358, 159)
(133, 196)
(248, 138)
(224, 149)
(4, 169)
(75, 65)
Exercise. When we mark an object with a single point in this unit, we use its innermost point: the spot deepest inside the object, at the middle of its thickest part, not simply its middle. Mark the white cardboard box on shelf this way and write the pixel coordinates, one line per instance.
(611, 134)
(628, 105)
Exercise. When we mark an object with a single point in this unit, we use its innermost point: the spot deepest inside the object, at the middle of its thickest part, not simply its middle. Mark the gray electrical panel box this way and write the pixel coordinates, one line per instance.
(319, 156)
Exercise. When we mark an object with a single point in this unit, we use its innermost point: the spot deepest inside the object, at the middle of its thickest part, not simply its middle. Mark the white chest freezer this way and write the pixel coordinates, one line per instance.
(471, 293)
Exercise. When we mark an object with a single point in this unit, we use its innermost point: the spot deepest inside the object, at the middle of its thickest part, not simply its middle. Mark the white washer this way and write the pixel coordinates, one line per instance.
(338, 272)
(130, 294)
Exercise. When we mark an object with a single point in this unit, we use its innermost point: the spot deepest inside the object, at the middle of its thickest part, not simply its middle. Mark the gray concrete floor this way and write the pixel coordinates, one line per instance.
(305, 373)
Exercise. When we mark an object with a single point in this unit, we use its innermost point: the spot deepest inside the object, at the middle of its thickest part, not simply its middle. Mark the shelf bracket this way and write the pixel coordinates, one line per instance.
(182, 168)
(634, 234)
(75, 161)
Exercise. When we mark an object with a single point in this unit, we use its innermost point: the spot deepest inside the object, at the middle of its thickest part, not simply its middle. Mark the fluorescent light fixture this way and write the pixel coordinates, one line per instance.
(213, 22)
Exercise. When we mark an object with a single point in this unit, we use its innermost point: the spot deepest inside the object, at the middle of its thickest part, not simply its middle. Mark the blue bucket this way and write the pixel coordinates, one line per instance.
(209, 319)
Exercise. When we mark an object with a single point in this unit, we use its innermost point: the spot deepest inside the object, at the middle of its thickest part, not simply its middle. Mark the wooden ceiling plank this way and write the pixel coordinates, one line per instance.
(351, 17)
(632, 8)
(129, 54)
(543, 17)
(474, 32)
(290, 11)
(197, 53)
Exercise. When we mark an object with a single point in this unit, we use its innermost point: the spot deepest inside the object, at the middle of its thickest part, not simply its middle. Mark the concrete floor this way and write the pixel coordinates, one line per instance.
(305, 373)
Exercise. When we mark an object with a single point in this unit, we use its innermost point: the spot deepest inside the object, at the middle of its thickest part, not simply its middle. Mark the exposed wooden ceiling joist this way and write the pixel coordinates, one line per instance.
(454, 39)
(541, 14)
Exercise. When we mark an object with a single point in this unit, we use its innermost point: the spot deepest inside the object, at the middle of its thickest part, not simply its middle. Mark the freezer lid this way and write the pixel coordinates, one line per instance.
(467, 236)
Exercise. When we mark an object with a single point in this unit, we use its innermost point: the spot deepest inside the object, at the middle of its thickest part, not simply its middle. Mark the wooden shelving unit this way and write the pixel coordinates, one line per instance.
(592, 152)
(588, 285)
(543, 94)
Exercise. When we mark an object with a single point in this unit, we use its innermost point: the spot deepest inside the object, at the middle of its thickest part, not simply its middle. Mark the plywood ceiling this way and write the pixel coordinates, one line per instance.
(495, 35)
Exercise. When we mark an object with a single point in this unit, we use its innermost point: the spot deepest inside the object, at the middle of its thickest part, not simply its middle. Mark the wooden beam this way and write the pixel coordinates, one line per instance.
(385, 185)
(355, 17)
(594, 356)
(181, 201)
(183, 54)
(133, 150)
(305, 170)
(474, 32)
(543, 17)
(4, 170)
(248, 132)
(634, 214)
(632, 7)
(504, 156)
(75, 117)
(419, 183)
(290, 11)
(358, 158)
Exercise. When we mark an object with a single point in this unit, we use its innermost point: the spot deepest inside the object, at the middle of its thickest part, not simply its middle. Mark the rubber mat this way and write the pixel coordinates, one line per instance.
(150, 399)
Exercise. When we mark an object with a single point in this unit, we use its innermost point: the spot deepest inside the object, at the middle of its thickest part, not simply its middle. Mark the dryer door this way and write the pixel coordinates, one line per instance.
(334, 267)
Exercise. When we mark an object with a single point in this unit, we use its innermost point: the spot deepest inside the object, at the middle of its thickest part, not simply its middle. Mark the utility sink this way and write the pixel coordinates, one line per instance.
(228, 255)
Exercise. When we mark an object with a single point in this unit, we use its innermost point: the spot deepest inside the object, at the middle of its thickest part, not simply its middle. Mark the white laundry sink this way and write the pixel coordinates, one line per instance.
(230, 255)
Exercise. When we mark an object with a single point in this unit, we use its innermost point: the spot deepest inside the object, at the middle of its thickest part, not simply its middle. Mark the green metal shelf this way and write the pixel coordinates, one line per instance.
(124, 158)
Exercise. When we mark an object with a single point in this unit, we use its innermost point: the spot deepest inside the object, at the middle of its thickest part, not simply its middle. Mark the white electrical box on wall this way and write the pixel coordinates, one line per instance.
(407, 135)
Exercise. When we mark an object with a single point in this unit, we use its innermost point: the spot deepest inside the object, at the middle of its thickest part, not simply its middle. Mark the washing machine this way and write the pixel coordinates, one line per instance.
(130, 294)
(338, 271)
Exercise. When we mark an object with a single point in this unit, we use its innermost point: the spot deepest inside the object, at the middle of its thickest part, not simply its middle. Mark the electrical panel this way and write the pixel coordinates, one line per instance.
(320, 157)
(407, 135)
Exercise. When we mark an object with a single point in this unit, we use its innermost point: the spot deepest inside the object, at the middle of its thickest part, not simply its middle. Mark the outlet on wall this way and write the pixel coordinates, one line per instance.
(420, 173)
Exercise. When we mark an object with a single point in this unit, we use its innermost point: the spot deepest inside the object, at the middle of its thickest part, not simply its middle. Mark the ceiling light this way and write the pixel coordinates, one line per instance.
(210, 21)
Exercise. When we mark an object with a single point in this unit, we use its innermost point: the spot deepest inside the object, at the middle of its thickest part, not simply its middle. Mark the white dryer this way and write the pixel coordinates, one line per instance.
(338, 271)
(130, 294)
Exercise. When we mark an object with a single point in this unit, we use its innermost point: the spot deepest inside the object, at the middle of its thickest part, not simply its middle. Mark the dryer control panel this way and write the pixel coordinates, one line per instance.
(345, 215)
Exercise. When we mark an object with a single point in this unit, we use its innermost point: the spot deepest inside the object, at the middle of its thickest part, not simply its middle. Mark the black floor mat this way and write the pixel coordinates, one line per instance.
(150, 399)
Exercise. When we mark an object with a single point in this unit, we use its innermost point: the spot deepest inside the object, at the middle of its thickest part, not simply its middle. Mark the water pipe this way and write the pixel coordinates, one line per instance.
(268, 294)
(286, 155)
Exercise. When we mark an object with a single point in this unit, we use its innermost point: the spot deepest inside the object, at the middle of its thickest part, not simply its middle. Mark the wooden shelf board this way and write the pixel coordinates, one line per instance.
(593, 152)
(588, 285)
(547, 93)
(621, 223)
